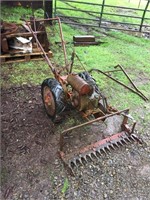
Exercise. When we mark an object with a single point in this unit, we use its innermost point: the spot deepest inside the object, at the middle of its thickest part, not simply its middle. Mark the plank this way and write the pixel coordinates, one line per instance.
(16, 58)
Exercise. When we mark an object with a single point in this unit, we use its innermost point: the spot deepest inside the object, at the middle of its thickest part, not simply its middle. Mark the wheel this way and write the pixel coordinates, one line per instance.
(53, 97)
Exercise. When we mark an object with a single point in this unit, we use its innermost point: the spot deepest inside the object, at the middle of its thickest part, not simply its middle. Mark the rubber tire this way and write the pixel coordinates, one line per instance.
(58, 96)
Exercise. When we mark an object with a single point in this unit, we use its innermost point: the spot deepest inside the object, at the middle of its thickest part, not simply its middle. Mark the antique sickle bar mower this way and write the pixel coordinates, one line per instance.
(81, 92)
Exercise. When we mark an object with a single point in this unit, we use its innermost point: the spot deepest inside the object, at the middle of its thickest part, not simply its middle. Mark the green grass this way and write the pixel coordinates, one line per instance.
(97, 8)
(133, 53)
(14, 14)
(32, 73)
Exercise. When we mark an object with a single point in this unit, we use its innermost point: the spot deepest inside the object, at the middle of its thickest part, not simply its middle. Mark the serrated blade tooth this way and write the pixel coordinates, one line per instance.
(124, 141)
(90, 157)
(138, 139)
(95, 155)
(72, 171)
(85, 158)
(108, 148)
(105, 151)
(127, 139)
(133, 135)
(112, 146)
(116, 144)
(80, 160)
(70, 167)
(133, 138)
(74, 161)
(120, 142)
(99, 151)
(92, 154)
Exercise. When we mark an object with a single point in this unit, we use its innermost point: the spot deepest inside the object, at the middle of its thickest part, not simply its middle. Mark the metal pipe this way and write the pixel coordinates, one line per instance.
(62, 41)
(146, 7)
(40, 20)
(122, 69)
(99, 71)
(90, 3)
(116, 70)
(94, 120)
(101, 13)
(113, 22)
(63, 45)
(139, 3)
(96, 26)
(40, 46)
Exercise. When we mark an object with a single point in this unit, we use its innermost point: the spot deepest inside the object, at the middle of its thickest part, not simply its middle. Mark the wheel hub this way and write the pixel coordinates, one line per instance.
(49, 101)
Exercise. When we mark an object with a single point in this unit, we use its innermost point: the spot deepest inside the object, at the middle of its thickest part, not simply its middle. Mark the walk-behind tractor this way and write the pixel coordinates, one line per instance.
(81, 91)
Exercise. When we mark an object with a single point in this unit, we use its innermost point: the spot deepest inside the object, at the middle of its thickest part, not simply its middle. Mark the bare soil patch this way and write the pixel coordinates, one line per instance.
(31, 168)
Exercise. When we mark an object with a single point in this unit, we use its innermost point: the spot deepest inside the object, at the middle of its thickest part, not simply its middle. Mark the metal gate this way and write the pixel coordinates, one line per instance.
(103, 15)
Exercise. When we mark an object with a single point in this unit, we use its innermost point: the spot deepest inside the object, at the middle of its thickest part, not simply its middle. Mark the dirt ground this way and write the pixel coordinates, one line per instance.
(32, 169)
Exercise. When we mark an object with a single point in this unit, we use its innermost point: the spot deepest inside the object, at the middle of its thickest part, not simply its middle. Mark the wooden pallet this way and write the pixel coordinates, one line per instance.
(23, 57)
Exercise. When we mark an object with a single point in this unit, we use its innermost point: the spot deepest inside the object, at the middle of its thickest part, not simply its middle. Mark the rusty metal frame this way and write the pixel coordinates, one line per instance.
(40, 46)
(135, 90)
(126, 134)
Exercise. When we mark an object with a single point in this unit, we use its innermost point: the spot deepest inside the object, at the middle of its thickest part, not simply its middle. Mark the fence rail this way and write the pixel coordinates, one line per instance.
(68, 11)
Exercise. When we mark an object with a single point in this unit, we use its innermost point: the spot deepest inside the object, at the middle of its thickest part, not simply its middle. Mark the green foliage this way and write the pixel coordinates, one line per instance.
(131, 51)
(65, 186)
(97, 8)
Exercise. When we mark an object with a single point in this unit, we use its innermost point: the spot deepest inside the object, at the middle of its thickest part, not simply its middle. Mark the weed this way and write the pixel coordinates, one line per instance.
(65, 186)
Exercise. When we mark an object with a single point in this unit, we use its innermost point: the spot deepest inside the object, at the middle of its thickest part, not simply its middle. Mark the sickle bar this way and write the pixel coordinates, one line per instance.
(97, 149)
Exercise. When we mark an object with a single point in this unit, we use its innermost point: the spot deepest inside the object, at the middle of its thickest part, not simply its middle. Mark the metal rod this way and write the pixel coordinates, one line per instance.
(72, 61)
(62, 41)
(26, 34)
(86, 11)
(40, 46)
(40, 20)
(94, 120)
(116, 70)
(90, 3)
(101, 13)
(94, 19)
(139, 3)
(130, 80)
(103, 5)
(113, 22)
(96, 26)
(63, 45)
(91, 12)
(144, 15)
(99, 71)
(80, 2)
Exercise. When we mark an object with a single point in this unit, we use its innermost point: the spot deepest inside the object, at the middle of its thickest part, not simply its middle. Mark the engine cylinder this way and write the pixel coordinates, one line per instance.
(80, 85)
